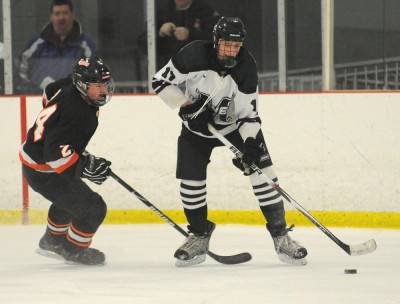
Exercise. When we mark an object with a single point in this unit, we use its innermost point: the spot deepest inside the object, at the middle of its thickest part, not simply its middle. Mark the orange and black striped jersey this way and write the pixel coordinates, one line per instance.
(61, 131)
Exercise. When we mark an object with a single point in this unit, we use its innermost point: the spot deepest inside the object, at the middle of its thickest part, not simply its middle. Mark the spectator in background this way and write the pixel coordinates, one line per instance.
(181, 22)
(51, 55)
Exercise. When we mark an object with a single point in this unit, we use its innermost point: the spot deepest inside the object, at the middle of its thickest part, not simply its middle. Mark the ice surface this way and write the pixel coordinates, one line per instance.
(141, 269)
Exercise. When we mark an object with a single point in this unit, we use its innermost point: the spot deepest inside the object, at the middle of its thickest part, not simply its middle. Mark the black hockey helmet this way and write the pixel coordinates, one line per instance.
(89, 70)
(229, 29)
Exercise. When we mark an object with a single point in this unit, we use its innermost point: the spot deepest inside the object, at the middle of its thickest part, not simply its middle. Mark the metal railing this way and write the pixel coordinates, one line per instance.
(364, 75)
(131, 86)
(380, 74)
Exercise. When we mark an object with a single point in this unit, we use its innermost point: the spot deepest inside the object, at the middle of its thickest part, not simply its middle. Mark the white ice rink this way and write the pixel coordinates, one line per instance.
(141, 269)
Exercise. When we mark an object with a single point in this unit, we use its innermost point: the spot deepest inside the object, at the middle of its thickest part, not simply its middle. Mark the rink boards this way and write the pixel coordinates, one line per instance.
(335, 153)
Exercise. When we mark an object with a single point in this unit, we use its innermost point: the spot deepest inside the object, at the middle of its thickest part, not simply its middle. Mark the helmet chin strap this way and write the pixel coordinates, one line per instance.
(100, 101)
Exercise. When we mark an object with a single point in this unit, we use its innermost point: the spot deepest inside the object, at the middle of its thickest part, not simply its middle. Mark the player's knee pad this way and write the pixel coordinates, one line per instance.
(96, 210)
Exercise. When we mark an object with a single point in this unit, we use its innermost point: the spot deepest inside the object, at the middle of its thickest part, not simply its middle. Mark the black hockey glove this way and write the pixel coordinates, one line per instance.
(252, 152)
(96, 169)
(201, 121)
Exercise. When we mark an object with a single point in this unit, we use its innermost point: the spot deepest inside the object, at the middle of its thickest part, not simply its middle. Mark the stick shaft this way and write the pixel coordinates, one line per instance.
(148, 204)
(282, 192)
(233, 259)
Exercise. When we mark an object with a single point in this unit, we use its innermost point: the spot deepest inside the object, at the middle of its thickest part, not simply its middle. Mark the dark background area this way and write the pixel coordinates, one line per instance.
(364, 30)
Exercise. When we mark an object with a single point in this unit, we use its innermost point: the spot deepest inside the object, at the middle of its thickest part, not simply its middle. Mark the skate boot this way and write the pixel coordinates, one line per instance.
(51, 245)
(288, 250)
(85, 256)
(194, 249)
(57, 247)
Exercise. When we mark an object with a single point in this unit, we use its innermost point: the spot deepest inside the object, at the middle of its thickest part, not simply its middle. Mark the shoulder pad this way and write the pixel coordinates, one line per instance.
(192, 57)
(245, 73)
(53, 89)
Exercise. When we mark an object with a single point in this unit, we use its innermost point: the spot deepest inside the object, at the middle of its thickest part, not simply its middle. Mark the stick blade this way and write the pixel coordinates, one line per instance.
(231, 259)
(364, 248)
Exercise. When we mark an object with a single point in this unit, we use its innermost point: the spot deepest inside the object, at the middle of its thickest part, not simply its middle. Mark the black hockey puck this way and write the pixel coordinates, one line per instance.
(350, 271)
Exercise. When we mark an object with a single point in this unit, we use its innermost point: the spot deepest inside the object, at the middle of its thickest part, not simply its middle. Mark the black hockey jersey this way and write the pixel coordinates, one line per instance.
(195, 75)
(61, 131)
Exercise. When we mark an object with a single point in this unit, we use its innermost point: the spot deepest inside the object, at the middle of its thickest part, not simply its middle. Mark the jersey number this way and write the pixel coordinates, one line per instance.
(43, 116)
(254, 104)
(171, 74)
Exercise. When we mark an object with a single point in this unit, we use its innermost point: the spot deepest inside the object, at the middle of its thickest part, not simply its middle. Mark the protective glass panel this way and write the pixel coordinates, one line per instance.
(367, 44)
(259, 17)
(110, 29)
(1, 51)
(303, 28)
(366, 41)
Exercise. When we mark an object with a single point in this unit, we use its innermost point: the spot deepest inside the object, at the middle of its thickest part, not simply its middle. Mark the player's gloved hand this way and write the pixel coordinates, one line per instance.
(201, 121)
(96, 169)
(252, 152)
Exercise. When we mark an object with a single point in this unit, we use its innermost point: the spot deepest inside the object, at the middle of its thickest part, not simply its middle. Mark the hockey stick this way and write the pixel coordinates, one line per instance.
(359, 249)
(223, 259)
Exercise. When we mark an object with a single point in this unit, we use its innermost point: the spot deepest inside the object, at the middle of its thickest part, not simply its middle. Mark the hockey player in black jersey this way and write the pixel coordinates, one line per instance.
(220, 79)
(54, 161)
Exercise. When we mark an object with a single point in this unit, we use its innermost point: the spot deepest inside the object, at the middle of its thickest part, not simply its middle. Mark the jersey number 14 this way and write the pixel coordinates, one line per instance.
(43, 116)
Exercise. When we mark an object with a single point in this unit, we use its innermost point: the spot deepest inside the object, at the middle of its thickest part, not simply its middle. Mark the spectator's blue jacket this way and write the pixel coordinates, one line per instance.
(47, 59)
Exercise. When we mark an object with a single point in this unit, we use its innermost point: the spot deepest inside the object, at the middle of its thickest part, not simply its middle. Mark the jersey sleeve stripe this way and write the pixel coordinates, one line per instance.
(57, 166)
(64, 163)
(26, 160)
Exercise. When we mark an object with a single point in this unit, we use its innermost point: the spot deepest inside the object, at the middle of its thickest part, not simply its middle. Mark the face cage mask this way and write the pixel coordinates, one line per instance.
(104, 98)
(228, 62)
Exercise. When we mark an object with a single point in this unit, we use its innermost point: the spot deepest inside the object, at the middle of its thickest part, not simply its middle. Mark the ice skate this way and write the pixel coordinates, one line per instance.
(288, 250)
(194, 249)
(57, 247)
(85, 256)
(51, 246)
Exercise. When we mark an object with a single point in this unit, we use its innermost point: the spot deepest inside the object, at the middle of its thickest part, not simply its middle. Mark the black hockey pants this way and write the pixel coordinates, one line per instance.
(72, 200)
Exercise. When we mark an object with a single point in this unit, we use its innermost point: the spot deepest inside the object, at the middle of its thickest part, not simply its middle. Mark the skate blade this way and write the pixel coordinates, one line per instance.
(72, 263)
(288, 260)
(55, 256)
(186, 263)
(49, 254)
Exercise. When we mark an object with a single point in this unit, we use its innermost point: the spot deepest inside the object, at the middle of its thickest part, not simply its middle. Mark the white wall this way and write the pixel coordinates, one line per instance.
(331, 152)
